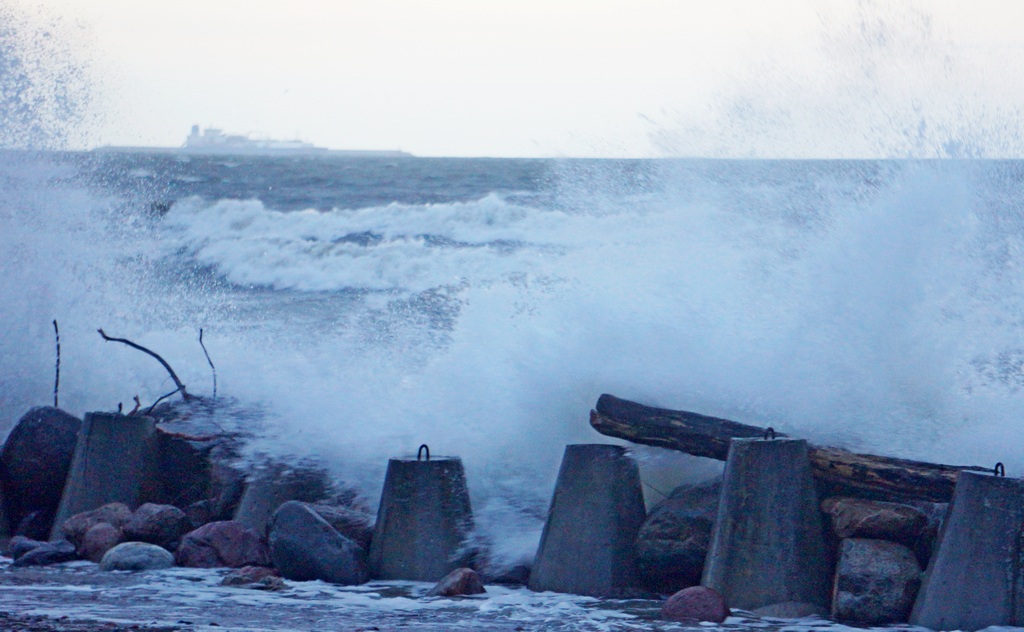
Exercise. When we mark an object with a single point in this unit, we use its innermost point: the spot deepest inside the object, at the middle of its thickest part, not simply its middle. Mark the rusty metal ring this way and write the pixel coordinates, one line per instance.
(999, 470)
(419, 453)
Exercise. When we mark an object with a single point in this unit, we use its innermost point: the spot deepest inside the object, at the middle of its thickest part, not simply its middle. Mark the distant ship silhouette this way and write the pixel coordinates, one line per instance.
(213, 141)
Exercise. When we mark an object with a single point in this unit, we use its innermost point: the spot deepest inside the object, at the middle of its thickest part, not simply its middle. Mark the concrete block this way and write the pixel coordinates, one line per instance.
(423, 520)
(974, 577)
(588, 543)
(114, 461)
(768, 544)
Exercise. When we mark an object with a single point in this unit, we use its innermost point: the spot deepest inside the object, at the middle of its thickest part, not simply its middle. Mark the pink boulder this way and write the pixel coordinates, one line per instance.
(98, 540)
(461, 581)
(224, 543)
(163, 525)
(75, 527)
(696, 603)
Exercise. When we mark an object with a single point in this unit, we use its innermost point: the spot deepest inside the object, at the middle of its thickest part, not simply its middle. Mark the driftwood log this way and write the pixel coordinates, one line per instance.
(836, 470)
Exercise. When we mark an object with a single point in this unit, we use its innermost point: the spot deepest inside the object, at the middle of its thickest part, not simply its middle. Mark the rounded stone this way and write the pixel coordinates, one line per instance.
(163, 525)
(303, 547)
(225, 543)
(98, 540)
(136, 556)
(696, 603)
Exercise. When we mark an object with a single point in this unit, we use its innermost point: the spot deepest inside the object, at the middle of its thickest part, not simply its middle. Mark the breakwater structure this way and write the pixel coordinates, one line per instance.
(777, 546)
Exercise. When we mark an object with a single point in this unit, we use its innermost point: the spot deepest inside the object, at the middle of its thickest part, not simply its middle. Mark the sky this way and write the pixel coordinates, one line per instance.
(608, 78)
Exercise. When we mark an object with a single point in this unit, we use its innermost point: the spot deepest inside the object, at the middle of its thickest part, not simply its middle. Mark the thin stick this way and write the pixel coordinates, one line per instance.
(162, 398)
(56, 380)
(213, 368)
(177, 382)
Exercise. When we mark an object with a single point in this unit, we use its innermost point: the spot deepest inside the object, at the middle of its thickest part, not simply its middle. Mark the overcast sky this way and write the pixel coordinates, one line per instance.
(787, 78)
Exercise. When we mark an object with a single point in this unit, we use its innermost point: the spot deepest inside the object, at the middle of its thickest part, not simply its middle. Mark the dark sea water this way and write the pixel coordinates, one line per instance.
(481, 306)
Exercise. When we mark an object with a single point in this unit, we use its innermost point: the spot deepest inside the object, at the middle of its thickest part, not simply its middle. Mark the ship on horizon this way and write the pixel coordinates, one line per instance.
(213, 141)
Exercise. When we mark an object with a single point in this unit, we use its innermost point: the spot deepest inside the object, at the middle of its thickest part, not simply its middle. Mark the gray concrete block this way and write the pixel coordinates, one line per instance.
(974, 577)
(588, 543)
(114, 461)
(423, 520)
(768, 544)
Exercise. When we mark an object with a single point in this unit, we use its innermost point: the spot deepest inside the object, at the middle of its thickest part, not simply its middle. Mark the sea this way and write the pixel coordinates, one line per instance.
(360, 307)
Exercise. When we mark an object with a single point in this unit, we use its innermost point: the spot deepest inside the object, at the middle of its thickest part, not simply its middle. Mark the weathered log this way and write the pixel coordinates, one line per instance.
(835, 469)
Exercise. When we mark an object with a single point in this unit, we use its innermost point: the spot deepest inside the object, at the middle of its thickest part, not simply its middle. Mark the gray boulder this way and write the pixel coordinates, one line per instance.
(674, 540)
(20, 545)
(872, 519)
(268, 490)
(34, 462)
(47, 553)
(353, 524)
(163, 525)
(75, 527)
(303, 546)
(876, 582)
(136, 556)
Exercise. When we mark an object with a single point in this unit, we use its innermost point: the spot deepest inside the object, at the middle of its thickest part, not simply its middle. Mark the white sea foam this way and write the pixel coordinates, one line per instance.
(194, 598)
(397, 247)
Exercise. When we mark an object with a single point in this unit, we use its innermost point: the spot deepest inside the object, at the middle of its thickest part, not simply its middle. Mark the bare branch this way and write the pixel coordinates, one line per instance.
(213, 368)
(56, 380)
(162, 398)
(181, 387)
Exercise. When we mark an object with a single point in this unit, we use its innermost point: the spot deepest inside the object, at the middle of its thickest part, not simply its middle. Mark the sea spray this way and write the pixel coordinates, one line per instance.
(873, 305)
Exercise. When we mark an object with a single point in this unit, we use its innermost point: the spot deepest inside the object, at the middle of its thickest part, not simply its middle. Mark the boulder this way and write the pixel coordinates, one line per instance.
(199, 513)
(224, 543)
(694, 604)
(303, 546)
(248, 575)
(673, 541)
(227, 486)
(461, 581)
(75, 527)
(136, 556)
(47, 553)
(353, 524)
(163, 525)
(20, 545)
(876, 582)
(35, 460)
(268, 490)
(872, 519)
(98, 540)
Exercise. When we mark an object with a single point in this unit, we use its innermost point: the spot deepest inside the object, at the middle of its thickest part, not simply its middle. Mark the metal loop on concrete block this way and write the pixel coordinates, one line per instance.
(769, 433)
(999, 470)
(419, 453)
